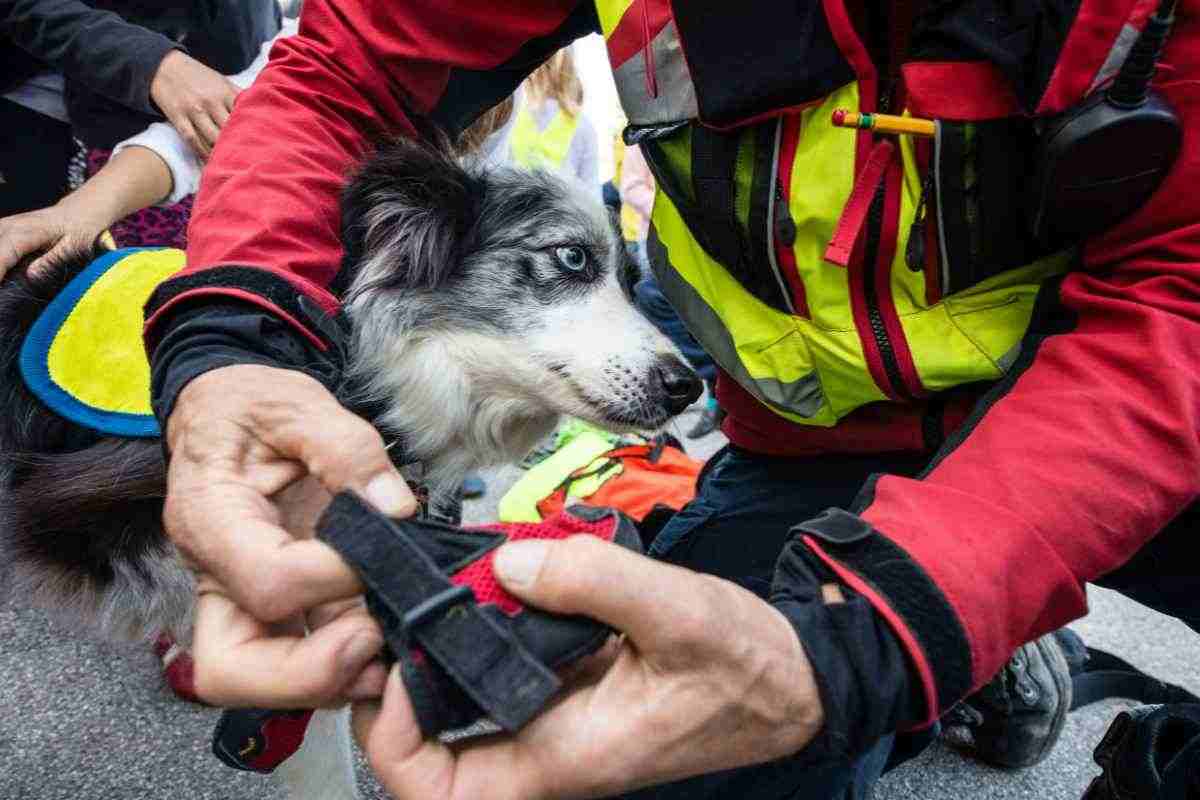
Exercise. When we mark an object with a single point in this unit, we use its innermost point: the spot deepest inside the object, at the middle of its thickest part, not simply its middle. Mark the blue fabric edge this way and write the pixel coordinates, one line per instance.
(35, 355)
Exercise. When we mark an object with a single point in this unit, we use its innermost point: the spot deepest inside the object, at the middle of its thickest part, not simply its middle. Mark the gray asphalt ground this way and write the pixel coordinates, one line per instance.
(86, 721)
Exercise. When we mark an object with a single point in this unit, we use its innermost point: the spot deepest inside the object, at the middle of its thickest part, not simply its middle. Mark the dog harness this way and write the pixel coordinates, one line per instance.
(468, 650)
(84, 357)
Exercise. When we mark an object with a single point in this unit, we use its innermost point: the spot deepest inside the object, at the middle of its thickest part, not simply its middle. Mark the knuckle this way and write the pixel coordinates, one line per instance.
(360, 434)
(176, 515)
(270, 597)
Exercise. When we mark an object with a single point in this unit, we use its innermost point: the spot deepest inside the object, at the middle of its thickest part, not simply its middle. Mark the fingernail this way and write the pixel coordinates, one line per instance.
(358, 651)
(388, 492)
(518, 563)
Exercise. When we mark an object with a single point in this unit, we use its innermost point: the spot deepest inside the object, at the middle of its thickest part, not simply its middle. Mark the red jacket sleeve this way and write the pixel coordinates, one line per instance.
(1083, 453)
(357, 70)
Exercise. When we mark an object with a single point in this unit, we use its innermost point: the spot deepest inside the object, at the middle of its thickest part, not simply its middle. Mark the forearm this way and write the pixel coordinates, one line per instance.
(132, 180)
(96, 48)
(183, 165)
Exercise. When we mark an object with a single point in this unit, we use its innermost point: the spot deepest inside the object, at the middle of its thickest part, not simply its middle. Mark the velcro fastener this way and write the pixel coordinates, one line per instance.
(494, 669)
(281, 293)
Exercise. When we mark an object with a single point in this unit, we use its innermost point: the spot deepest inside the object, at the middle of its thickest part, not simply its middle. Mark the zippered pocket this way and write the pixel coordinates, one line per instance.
(721, 184)
(979, 179)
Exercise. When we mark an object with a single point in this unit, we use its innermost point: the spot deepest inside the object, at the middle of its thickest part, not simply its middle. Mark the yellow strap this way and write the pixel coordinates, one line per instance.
(519, 504)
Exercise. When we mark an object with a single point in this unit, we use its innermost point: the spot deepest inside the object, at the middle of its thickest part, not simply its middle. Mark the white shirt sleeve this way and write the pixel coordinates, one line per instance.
(163, 140)
(167, 144)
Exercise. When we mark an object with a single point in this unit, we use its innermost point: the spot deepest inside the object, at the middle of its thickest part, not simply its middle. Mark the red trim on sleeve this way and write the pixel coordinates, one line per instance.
(911, 645)
(239, 294)
(966, 91)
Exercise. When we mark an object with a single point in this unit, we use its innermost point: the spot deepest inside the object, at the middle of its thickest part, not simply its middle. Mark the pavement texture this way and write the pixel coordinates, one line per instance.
(81, 720)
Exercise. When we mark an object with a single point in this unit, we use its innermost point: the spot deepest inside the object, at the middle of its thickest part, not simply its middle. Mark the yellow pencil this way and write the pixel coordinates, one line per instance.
(884, 123)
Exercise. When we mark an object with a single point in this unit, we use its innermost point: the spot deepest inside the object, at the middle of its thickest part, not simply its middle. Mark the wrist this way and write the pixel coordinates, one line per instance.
(200, 340)
(86, 212)
(805, 710)
(160, 84)
(864, 677)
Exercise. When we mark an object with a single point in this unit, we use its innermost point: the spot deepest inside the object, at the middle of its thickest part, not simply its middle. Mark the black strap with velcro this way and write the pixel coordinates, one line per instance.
(414, 601)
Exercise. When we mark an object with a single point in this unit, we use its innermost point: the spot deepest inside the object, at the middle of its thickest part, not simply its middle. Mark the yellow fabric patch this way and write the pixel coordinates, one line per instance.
(97, 355)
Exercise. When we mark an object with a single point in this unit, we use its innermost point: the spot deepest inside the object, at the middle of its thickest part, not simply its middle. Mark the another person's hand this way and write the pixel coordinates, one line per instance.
(61, 232)
(255, 451)
(708, 677)
(195, 99)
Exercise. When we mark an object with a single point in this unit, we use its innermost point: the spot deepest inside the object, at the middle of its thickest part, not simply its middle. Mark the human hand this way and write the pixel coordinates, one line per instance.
(59, 232)
(196, 100)
(255, 453)
(708, 677)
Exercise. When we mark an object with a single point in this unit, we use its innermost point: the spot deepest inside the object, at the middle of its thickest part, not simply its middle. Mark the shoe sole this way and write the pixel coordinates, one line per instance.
(1060, 671)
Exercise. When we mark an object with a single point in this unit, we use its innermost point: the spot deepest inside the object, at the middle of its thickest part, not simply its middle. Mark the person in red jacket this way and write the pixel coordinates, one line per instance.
(962, 524)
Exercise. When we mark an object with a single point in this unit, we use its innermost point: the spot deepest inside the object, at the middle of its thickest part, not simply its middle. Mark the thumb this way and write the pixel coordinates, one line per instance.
(407, 764)
(343, 451)
(17, 243)
(607, 582)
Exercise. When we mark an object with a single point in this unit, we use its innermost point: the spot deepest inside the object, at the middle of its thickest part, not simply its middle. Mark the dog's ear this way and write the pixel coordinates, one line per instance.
(408, 216)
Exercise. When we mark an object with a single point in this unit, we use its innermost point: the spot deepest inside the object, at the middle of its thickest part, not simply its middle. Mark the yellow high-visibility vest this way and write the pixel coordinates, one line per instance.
(541, 149)
(715, 251)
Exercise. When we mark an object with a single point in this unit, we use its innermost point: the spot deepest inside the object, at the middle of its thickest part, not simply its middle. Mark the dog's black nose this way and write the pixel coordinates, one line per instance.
(681, 386)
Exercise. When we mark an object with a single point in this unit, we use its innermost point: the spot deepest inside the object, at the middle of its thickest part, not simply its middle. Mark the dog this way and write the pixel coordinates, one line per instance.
(482, 304)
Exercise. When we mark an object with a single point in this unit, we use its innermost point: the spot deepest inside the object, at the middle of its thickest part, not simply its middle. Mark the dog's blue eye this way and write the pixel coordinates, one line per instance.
(573, 258)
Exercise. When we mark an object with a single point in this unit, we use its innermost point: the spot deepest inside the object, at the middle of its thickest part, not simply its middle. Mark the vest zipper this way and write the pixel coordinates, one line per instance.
(883, 342)
(870, 283)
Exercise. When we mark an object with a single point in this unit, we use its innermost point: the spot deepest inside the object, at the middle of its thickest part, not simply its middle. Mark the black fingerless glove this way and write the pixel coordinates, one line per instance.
(866, 681)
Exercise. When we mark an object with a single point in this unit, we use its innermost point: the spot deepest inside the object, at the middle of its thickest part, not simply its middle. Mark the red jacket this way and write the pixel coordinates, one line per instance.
(1058, 477)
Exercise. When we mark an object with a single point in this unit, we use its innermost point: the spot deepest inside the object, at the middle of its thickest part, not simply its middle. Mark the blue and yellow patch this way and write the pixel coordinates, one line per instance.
(84, 357)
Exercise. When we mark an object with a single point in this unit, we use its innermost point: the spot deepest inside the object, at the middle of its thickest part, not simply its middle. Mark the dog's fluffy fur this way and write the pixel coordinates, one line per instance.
(483, 305)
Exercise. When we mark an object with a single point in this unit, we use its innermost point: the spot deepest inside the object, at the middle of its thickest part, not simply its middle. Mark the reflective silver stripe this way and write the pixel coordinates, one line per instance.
(944, 255)
(676, 99)
(1006, 361)
(784, 290)
(802, 397)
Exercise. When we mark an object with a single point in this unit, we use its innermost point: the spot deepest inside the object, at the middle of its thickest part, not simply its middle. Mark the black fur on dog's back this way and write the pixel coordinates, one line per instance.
(80, 514)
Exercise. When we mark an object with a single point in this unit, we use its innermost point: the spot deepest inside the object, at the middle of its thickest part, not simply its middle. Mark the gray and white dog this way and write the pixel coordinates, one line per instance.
(483, 304)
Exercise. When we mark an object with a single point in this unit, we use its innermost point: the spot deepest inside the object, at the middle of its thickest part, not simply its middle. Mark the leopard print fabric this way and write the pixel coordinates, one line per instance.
(156, 226)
